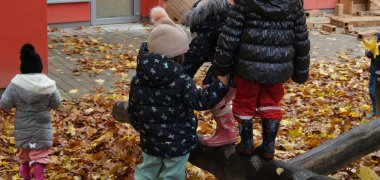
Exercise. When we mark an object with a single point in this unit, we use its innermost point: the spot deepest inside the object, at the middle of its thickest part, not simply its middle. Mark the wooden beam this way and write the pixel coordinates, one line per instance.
(342, 150)
(225, 164)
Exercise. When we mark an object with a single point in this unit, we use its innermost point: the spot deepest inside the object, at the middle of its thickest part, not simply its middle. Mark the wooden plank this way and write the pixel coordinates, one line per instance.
(366, 34)
(339, 9)
(356, 21)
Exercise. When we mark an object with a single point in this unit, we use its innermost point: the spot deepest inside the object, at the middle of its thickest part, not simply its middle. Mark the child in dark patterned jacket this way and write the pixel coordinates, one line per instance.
(162, 100)
(205, 18)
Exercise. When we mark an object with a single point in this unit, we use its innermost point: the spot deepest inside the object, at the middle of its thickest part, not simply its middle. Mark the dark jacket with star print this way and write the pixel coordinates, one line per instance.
(161, 104)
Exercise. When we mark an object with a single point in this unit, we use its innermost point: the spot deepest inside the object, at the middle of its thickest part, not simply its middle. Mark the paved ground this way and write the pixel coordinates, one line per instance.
(64, 66)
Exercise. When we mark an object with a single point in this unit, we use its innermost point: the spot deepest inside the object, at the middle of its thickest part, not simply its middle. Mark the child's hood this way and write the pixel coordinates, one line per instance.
(32, 88)
(156, 69)
(203, 9)
(275, 9)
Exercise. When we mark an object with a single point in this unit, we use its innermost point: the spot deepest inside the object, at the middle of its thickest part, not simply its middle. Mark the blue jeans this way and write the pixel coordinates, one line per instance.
(158, 168)
(372, 92)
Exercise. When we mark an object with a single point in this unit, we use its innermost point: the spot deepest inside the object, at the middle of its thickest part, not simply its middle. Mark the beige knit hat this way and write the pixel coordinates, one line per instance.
(177, 8)
(166, 38)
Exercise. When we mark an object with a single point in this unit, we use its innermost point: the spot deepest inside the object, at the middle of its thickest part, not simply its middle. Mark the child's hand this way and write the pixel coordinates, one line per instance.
(224, 79)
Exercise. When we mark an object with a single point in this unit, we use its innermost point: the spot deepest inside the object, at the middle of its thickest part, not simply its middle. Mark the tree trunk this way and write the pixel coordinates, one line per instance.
(225, 164)
(342, 150)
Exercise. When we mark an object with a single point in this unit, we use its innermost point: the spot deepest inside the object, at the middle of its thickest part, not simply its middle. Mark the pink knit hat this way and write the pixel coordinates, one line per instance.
(166, 38)
(177, 8)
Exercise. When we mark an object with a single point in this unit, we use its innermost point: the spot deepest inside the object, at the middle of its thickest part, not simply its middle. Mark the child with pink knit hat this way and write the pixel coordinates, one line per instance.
(162, 100)
(205, 18)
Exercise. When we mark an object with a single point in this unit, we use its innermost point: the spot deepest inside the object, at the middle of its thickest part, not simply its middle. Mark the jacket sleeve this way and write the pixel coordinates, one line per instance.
(229, 38)
(203, 99)
(132, 112)
(302, 48)
(55, 100)
(7, 100)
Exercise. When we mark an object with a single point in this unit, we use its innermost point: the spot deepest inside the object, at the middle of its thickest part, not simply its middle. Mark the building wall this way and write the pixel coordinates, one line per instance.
(22, 21)
(320, 4)
(69, 12)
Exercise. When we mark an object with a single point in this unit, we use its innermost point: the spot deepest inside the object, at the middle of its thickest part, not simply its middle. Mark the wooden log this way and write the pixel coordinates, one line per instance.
(339, 9)
(342, 150)
(225, 164)
(329, 28)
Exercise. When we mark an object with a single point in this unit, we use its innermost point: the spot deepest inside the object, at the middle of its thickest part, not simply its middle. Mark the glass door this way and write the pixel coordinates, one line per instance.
(114, 11)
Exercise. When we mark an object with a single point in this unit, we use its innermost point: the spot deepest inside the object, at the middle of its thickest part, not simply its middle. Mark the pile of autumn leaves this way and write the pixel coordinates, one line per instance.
(90, 144)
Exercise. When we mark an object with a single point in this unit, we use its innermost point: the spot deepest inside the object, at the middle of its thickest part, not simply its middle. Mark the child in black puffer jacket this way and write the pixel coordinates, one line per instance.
(162, 101)
(264, 43)
(205, 20)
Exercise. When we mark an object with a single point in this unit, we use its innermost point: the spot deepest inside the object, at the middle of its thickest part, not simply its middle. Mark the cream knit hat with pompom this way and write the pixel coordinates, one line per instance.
(166, 38)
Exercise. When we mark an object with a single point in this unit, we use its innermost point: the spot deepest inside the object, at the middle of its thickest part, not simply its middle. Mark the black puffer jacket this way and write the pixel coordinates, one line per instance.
(265, 42)
(205, 20)
(161, 104)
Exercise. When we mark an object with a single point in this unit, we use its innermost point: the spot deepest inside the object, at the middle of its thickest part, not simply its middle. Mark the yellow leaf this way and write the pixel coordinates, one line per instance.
(279, 171)
(365, 107)
(71, 130)
(288, 146)
(102, 48)
(365, 173)
(295, 133)
(108, 56)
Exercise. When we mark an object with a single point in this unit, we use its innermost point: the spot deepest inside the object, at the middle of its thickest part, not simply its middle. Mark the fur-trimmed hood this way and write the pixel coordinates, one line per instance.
(202, 10)
(32, 87)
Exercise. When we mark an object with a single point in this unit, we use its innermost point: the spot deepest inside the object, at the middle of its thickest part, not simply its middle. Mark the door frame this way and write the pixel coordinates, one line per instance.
(115, 20)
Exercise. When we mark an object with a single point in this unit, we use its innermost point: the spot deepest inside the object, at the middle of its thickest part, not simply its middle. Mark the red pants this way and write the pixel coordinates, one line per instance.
(257, 99)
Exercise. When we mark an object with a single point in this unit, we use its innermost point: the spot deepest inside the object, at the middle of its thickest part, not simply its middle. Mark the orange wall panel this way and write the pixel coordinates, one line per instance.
(69, 12)
(22, 21)
(147, 5)
(320, 4)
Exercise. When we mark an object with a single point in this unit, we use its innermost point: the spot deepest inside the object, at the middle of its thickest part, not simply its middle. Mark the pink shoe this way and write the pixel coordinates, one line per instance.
(24, 171)
(39, 171)
(225, 133)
